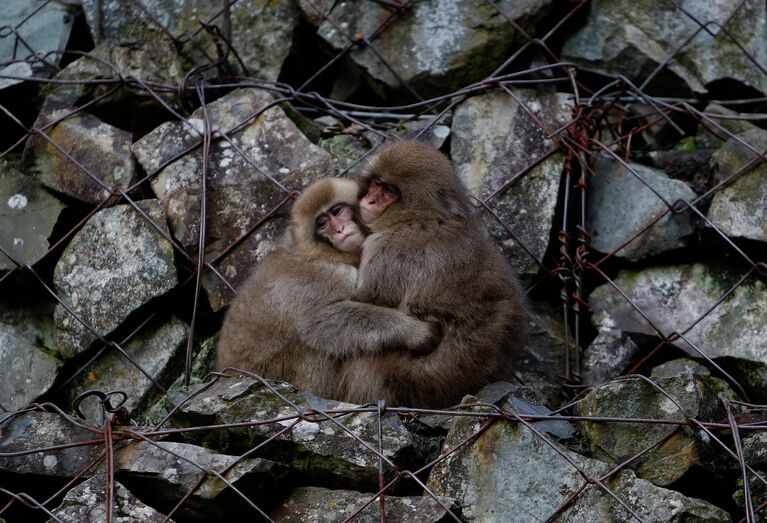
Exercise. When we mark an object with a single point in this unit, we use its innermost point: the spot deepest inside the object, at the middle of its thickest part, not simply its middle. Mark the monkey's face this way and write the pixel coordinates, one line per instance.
(336, 225)
(377, 198)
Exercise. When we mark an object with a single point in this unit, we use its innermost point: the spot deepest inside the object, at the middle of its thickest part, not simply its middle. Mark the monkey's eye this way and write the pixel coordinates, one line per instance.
(335, 211)
(321, 222)
(391, 190)
(375, 182)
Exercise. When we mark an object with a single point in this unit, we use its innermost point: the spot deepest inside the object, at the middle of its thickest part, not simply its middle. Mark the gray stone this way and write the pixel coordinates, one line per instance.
(27, 217)
(203, 363)
(15, 73)
(540, 363)
(620, 206)
(40, 28)
(86, 503)
(682, 454)
(609, 355)
(154, 349)
(316, 11)
(100, 148)
(435, 46)
(755, 450)
(509, 474)
(321, 450)
(238, 194)
(113, 265)
(31, 431)
(493, 140)
(162, 473)
(740, 208)
(143, 63)
(632, 37)
(677, 367)
(262, 30)
(27, 339)
(675, 297)
(320, 505)
(712, 137)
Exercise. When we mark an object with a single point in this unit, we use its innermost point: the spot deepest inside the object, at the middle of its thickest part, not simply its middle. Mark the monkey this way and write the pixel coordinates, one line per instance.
(292, 319)
(427, 255)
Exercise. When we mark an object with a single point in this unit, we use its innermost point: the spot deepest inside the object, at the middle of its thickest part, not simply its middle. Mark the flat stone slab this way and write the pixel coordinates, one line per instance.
(117, 262)
(740, 209)
(27, 344)
(32, 431)
(321, 505)
(324, 450)
(621, 204)
(28, 214)
(495, 138)
(509, 474)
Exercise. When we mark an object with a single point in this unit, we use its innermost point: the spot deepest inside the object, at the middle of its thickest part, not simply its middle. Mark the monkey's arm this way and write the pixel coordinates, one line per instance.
(347, 328)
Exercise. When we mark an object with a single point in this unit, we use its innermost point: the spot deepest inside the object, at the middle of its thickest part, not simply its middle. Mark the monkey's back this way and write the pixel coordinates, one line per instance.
(449, 272)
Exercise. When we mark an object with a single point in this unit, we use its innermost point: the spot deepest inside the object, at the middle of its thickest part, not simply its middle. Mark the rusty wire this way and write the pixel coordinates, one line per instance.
(571, 267)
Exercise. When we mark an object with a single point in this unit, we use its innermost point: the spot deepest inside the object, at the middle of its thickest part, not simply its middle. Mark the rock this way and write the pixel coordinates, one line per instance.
(30, 431)
(141, 63)
(27, 217)
(262, 30)
(755, 450)
(682, 455)
(540, 363)
(100, 148)
(113, 265)
(162, 473)
(154, 349)
(691, 166)
(19, 70)
(238, 194)
(709, 136)
(27, 339)
(740, 208)
(86, 503)
(620, 206)
(203, 363)
(435, 46)
(312, 504)
(632, 38)
(35, 28)
(509, 474)
(609, 355)
(321, 451)
(493, 140)
(677, 367)
(677, 296)
(315, 11)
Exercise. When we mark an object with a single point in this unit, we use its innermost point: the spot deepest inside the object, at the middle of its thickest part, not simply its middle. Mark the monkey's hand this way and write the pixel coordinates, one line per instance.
(427, 336)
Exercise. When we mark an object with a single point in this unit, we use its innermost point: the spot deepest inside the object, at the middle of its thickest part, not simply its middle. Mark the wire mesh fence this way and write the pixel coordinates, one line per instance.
(609, 129)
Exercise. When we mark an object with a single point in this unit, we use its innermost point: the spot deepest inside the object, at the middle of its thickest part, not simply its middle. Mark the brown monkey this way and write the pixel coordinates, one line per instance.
(428, 255)
(292, 320)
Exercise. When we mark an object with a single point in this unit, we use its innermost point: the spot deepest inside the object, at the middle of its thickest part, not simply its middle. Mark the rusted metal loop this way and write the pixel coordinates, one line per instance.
(761, 268)
(104, 400)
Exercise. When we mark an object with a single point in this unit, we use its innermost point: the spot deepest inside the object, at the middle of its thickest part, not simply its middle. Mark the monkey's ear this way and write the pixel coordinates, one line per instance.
(448, 199)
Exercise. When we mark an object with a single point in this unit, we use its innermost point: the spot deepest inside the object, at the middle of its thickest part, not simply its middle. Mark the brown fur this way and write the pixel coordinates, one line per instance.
(292, 319)
(428, 255)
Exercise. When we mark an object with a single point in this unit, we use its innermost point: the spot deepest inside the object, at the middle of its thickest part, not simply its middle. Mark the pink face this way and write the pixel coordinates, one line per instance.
(337, 226)
(378, 197)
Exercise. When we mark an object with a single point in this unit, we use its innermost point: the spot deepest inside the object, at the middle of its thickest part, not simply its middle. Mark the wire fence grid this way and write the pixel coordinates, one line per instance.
(602, 122)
